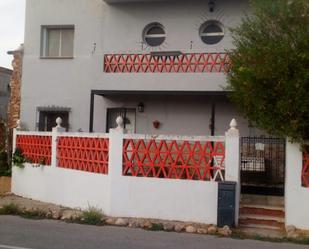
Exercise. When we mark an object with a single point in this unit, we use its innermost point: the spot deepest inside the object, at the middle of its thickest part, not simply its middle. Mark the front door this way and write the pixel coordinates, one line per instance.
(128, 115)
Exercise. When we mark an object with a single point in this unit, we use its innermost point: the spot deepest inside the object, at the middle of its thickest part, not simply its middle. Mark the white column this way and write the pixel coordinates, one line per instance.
(115, 164)
(296, 196)
(55, 132)
(232, 162)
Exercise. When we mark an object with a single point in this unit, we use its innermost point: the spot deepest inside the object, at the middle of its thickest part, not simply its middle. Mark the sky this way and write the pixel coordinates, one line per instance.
(12, 19)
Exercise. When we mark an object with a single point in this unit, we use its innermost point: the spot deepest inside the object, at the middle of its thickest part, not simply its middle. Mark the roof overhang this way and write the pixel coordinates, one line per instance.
(157, 93)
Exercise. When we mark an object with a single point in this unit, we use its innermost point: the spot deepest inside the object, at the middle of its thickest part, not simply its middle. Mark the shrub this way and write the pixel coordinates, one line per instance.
(10, 209)
(92, 216)
(18, 158)
(268, 78)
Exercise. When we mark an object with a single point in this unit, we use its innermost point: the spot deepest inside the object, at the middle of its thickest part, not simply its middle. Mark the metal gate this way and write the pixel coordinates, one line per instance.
(262, 165)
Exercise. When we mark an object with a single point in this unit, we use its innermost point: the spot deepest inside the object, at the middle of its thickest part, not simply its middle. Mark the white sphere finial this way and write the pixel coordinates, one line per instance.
(233, 124)
(119, 122)
(233, 131)
(58, 122)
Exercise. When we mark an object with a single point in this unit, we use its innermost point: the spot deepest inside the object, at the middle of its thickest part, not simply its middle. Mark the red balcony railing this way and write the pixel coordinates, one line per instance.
(183, 63)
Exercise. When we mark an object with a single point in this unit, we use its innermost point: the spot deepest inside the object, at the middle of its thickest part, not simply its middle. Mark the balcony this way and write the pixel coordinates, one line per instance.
(166, 63)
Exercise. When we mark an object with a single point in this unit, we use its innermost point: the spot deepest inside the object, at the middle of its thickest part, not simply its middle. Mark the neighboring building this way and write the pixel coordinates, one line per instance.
(160, 64)
(5, 77)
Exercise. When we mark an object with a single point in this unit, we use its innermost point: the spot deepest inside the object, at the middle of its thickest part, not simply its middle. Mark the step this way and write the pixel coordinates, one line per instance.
(261, 226)
(257, 221)
(262, 217)
(262, 200)
(264, 231)
(281, 208)
(270, 211)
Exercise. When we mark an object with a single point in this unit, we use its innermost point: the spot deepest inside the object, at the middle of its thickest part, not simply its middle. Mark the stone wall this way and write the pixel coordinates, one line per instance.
(14, 102)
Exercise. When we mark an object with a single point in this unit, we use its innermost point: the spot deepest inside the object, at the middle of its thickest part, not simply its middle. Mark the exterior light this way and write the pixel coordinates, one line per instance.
(140, 107)
(211, 5)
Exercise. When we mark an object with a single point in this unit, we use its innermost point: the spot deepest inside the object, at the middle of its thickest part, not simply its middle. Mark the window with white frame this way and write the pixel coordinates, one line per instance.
(57, 41)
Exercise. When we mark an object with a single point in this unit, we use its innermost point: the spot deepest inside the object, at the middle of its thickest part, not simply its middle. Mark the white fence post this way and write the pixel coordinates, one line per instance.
(232, 161)
(55, 131)
(115, 163)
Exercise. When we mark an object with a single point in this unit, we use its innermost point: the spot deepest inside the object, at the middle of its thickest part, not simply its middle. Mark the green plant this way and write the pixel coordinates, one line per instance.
(92, 216)
(43, 161)
(18, 158)
(157, 227)
(10, 209)
(269, 67)
(33, 214)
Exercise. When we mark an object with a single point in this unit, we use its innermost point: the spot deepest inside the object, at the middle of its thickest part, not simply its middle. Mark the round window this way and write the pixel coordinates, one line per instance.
(211, 32)
(154, 34)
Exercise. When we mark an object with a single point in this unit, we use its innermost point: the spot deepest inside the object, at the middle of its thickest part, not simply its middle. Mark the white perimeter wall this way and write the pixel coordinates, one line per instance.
(181, 200)
(166, 199)
(71, 188)
(296, 196)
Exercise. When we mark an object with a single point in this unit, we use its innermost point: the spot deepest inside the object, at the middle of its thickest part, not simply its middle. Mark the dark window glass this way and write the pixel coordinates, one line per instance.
(211, 32)
(47, 120)
(154, 34)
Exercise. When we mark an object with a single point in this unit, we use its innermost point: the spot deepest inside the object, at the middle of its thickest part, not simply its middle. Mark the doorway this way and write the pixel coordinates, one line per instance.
(262, 165)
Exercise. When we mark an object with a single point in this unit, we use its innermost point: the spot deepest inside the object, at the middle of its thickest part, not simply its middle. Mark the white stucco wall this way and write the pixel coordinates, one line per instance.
(115, 28)
(178, 115)
(71, 188)
(184, 200)
(296, 196)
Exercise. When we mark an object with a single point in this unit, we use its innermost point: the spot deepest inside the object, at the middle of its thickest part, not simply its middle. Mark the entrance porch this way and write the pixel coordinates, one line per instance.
(166, 112)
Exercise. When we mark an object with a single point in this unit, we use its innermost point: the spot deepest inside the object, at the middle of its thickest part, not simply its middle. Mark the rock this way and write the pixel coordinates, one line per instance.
(110, 221)
(225, 231)
(121, 222)
(293, 235)
(168, 227)
(179, 227)
(190, 229)
(55, 215)
(290, 228)
(146, 224)
(212, 229)
(202, 231)
(133, 223)
(70, 214)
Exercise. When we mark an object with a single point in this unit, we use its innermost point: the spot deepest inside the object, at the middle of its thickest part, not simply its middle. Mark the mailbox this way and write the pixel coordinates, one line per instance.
(226, 204)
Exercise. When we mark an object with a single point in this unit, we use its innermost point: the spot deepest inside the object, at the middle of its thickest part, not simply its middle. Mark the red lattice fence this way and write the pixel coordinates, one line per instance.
(83, 153)
(194, 160)
(184, 63)
(36, 148)
(305, 171)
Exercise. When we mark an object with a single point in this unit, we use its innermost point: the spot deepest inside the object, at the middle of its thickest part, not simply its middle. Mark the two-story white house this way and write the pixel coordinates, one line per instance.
(161, 64)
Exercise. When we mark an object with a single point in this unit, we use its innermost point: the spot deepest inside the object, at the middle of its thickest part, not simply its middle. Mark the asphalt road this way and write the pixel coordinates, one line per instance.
(19, 233)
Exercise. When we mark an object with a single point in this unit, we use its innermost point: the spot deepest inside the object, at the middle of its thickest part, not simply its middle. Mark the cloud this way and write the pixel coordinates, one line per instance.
(12, 18)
